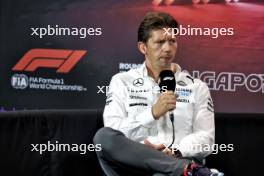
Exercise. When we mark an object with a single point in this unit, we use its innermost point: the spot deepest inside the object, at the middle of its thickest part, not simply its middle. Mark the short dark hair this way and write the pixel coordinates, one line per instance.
(152, 21)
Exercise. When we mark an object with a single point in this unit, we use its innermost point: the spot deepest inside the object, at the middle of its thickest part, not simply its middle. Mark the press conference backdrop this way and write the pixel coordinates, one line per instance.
(61, 54)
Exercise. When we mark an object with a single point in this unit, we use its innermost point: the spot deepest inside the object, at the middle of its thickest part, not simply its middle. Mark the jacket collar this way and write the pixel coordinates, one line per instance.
(144, 72)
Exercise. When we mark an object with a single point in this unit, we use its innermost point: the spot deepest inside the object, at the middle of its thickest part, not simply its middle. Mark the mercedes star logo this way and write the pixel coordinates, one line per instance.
(138, 82)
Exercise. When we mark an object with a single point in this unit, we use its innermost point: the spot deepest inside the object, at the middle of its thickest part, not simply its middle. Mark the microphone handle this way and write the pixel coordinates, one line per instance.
(173, 128)
(171, 115)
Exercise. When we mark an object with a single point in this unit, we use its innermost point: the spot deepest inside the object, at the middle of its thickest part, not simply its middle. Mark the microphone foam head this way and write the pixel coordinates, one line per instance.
(167, 80)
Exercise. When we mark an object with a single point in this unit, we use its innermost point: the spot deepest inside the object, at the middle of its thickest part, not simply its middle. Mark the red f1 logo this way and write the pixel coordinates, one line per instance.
(64, 60)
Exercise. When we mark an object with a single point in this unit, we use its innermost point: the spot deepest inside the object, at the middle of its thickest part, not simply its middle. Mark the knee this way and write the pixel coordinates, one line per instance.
(100, 135)
(106, 138)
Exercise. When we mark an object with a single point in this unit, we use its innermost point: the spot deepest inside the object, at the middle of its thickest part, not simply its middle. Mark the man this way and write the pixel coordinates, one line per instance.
(138, 129)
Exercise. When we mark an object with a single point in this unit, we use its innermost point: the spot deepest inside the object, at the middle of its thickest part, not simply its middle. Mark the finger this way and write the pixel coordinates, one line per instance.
(146, 142)
(169, 92)
(171, 106)
(157, 147)
(171, 99)
(160, 147)
(170, 96)
(166, 151)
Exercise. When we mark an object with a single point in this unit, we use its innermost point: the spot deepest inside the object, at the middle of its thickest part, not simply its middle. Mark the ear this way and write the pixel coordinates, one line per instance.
(142, 47)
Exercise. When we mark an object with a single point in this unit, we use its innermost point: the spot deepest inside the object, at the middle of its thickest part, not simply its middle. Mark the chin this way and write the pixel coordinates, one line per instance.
(165, 62)
(165, 65)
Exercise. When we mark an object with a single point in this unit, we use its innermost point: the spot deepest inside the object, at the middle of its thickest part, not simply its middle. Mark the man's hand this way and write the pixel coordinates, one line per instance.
(165, 102)
(167, 151)
(159, 147)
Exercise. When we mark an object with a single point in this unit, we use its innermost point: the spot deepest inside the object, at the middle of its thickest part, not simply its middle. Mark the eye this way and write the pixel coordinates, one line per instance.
(172, 41)
(160, 41)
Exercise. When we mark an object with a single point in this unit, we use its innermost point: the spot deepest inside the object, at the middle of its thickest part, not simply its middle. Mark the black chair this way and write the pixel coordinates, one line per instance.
(18, 130)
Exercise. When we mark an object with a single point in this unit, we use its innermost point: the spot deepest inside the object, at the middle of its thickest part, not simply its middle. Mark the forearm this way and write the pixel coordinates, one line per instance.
(198, 144)
(134, 127)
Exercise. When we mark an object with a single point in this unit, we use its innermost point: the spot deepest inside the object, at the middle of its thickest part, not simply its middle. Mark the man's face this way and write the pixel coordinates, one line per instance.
(160, 49)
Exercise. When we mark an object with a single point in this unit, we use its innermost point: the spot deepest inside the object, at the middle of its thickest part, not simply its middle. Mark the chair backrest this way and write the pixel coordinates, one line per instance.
(18, 130)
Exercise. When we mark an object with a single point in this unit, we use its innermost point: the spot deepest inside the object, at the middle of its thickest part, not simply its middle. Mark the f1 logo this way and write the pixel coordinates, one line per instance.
(62, 59)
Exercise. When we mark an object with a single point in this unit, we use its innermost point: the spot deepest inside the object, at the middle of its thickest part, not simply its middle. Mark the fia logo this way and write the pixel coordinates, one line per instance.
(19, 81)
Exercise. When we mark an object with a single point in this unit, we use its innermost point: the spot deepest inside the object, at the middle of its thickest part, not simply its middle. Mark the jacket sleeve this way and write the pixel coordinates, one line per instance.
(199, 144)
(134, 126)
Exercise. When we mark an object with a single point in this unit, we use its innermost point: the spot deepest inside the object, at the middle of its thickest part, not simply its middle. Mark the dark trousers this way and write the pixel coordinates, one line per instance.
(122, 156)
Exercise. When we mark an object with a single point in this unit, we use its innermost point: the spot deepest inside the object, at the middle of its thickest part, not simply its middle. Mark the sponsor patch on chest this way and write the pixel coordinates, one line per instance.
(183, 95)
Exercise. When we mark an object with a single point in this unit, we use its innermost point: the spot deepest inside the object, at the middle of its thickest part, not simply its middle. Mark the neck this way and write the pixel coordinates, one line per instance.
(153, 72)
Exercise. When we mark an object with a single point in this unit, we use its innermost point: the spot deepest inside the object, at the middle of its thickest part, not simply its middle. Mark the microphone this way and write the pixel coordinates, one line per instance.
(167, 82)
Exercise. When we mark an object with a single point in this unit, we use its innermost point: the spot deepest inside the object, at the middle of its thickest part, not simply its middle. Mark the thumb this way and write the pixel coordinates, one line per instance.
(146, 142)
(160, 147)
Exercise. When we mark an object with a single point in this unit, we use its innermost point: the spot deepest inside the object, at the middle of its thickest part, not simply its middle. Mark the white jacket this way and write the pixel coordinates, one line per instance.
(128, 109)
